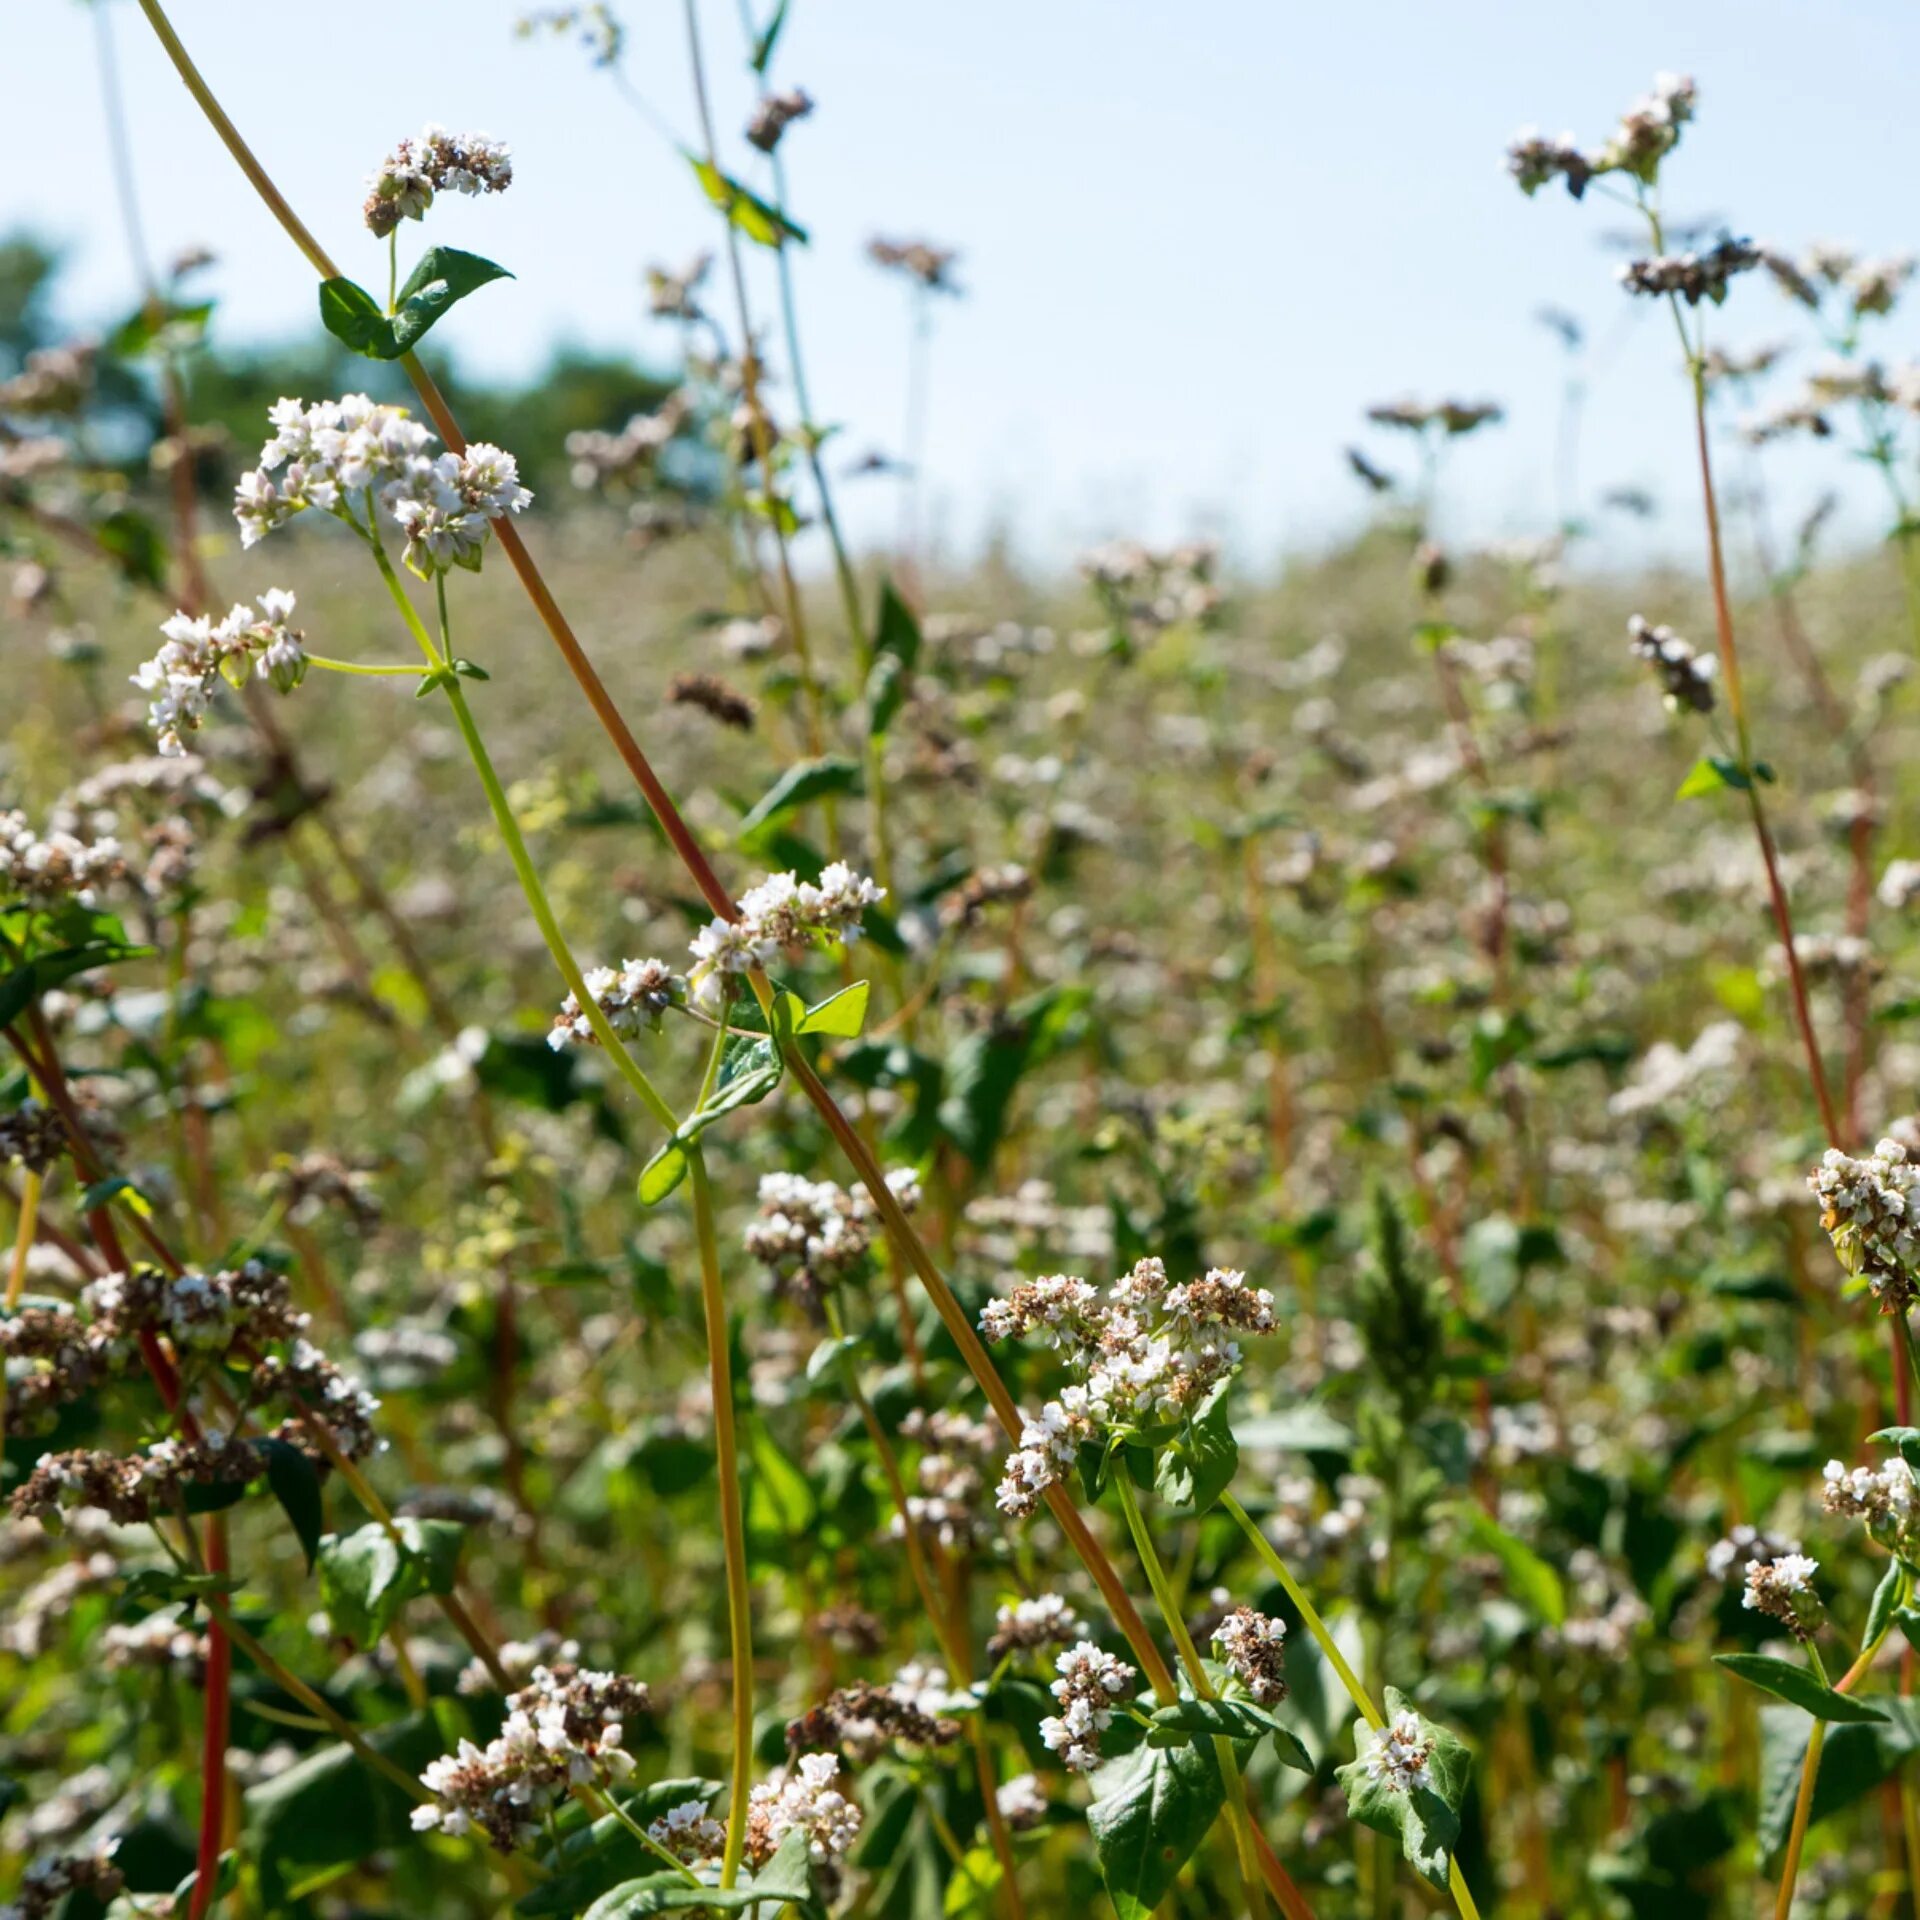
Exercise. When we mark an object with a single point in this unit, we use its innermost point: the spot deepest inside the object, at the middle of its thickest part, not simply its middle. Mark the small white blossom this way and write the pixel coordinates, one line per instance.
(1400, 1756)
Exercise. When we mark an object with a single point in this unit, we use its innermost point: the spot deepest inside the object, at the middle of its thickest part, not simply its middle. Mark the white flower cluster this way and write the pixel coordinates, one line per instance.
(1400, 1757)
(808, 1798)
(1667, 1073)
(1866, 1207)
(812, 1233)
(1899, 886)
(198, 1312)
(566, 1728)
(781, 912)
(201, 651)
(1783, 1588)
(1254, 1647)
(518, 1660)
(56, 865)
(1090, 1682)
(332, 1396)
(689, 1832)
(1886, 1498)
(631, 996)
(1686, 677)
(948, 1475)
(1022, 1803)
(1143, 1351)
(356, 459)
(1044, 1621)
(1648, 131)
(438, 162)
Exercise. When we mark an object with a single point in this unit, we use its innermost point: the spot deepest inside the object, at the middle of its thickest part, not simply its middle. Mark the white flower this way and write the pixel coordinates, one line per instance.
(364, 461)
(1399, 1758)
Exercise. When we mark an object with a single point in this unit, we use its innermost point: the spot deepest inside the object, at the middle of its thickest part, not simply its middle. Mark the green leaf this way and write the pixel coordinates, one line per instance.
(662, 1173)
(1427, 1820)
(443, 277)
(159, 322)
(1529, 1578)
(1796, 1684)
(295, 1481)
(355, 318)
(132, 542)
(1886, 1603)
(435, 1546)
(841, 1015)
(166, 1584)
(1199, 1466)
(803, 782)
(1905, 1441)
(825, 1358)
(331, 1809)
(1306, 1428)
(896, 647)
(1712, 773)
(1188, 1719)
(103, 1192)
(763, 224)
(749, 1071)
(28, 981)
(769, 38)
(1151, 1808)
(1854, 1760)
(363, 1582)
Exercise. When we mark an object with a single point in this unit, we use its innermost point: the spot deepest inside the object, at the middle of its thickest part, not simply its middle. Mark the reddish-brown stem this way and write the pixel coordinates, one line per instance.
(1737, 707)
(213, 1751)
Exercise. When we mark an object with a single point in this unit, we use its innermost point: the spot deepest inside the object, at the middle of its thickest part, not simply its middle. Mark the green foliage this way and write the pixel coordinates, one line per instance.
(1151, 1808)
(443, 277)
(1426, 1819)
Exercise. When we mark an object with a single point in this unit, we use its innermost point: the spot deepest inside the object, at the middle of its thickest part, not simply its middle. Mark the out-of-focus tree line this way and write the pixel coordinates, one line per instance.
(230, 387)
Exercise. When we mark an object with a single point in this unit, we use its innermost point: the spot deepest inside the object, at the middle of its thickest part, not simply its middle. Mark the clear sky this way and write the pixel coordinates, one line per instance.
(1198, 236)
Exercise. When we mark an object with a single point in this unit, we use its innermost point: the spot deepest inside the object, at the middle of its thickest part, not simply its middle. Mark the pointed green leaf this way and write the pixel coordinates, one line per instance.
(295, 1481)
(1791, 1682)
(840, 1015)
(1151, 1809)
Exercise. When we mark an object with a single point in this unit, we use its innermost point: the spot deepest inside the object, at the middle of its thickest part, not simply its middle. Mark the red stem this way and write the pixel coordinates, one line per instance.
(213, 1751)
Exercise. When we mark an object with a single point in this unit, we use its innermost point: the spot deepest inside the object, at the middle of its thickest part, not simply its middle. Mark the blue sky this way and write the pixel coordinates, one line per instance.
(1197, 239)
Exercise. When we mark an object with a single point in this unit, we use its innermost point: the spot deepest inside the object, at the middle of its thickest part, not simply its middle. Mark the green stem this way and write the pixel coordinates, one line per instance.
(354, 666)
(1324, 1640)
(509, 830)
(1169, 1604)
(598, 1803)
(732, 1523)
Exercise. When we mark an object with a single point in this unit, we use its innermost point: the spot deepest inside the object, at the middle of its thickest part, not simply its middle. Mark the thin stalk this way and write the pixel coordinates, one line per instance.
(1330, 1649)
(757, 428)
(213, 1746)
(1169, 1604)
(291, 1683)
(732, 1524)
(30, 1189)
(599, 1803)
(511, 837)
(874, 753)
(1737, 707)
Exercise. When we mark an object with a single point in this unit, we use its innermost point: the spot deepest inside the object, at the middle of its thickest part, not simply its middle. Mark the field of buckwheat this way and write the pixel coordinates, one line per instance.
(694, 1222)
